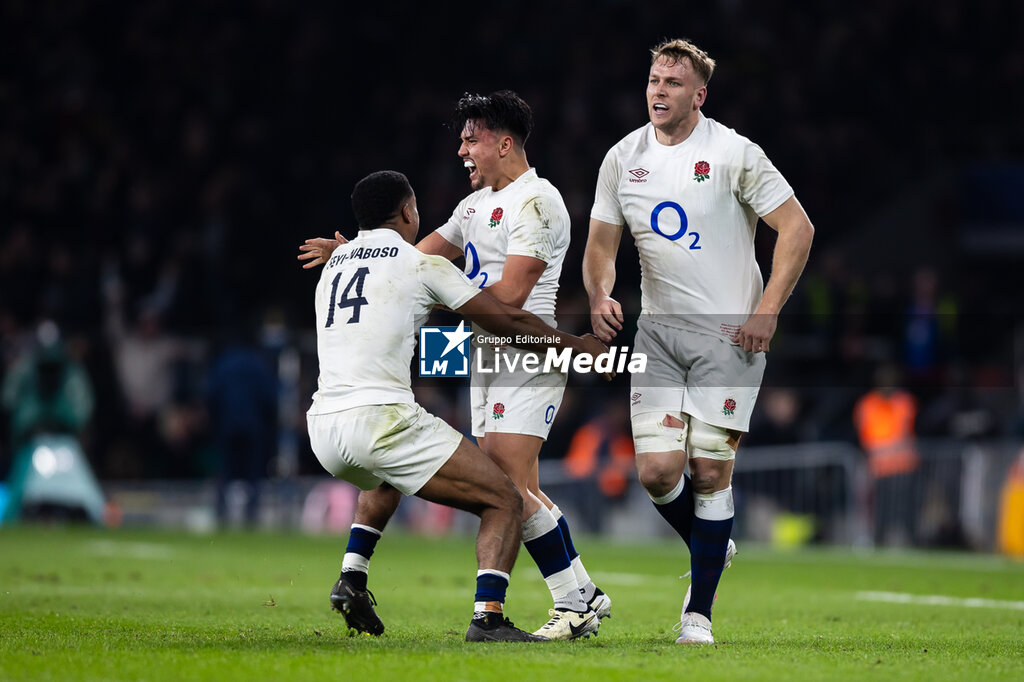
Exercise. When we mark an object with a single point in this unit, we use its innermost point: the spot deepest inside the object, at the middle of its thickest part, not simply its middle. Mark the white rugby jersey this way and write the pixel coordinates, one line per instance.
(372, 295)
(692, 209)
(526, 218)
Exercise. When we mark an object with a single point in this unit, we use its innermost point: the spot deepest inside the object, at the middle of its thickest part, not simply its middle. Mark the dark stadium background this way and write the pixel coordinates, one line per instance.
(166, 159)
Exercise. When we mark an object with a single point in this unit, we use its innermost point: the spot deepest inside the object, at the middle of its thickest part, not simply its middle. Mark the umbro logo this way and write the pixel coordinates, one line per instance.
(639, 174)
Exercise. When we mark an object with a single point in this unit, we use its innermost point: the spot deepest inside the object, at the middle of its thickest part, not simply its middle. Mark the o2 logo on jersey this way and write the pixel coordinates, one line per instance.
(473, 264)
(683, 222)
(444, 351)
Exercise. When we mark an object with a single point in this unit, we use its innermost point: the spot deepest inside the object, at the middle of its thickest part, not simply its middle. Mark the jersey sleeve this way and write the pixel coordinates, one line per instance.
(443, 283)
(537, 228)
(452, 230)
(760, 185)
(606, 207)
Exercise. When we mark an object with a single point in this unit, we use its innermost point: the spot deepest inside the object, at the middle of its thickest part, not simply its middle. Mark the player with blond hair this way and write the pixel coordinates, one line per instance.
(691, 191)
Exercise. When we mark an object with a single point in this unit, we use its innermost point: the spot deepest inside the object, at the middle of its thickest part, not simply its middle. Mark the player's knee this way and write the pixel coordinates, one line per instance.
(659, 432)
(712, 450)
(510, 498)
(659, 473)
(516, 501)
(709, 479)
(655, 483)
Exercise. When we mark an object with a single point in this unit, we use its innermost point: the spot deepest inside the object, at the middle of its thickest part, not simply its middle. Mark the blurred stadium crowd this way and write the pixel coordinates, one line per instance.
(161, 161)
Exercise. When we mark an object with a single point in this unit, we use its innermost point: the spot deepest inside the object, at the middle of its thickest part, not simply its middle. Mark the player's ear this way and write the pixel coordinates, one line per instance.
(506, 146)
(699, 96)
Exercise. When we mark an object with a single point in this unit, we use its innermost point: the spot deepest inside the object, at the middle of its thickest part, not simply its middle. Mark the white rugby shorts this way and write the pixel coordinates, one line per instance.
(697, 374)
(516, 402)
(400, 443)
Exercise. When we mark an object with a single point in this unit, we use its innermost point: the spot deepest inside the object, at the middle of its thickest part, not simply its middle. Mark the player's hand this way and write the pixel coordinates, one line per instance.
(593, 346)
(606, 318)
(318, 250)
(756, 333)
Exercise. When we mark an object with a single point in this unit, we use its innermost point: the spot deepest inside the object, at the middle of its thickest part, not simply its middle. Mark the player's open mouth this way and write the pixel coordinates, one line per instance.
(472, 168)
(660, 107)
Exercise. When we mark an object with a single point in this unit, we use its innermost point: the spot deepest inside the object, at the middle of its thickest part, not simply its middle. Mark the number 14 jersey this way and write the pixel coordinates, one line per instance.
(692, 209)
(373, 294)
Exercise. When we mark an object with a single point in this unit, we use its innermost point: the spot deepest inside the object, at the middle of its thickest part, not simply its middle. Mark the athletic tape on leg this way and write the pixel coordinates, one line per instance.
(542, 521)
(717, 506)
(651, 434)
(711, 442)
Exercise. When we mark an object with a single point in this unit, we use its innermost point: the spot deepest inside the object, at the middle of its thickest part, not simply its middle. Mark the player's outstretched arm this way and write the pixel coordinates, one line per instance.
(599, 278)
(317, 250)
(791, 251)
(518, 277)
(505, 320)
(436, 245)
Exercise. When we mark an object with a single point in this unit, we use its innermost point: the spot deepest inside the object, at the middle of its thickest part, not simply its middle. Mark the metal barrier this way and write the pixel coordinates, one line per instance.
(821, 492)
(785, 495)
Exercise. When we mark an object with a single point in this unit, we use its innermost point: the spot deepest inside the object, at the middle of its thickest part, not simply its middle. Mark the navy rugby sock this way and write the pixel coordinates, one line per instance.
(543, 540)
(361, 542)
(677, 508)
(587, 586)
(712, 526)
(491, 585)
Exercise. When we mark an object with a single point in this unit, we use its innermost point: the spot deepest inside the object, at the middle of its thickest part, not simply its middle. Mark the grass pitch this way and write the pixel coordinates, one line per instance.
(94, 605)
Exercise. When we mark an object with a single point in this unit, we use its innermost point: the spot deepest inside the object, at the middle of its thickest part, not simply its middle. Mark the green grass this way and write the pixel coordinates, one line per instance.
(94, 605)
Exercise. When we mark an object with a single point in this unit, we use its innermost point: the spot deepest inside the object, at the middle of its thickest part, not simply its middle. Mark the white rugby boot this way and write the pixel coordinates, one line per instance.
(695, 629)
(601, 604)
(566, 624)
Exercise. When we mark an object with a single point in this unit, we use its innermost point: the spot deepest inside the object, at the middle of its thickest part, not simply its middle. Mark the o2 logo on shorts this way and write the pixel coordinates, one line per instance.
(683, 222)
(444, 351)
(549, 414)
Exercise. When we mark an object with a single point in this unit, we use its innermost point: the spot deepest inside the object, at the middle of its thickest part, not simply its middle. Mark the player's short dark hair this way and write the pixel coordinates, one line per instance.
(501, 111)
(378, 197)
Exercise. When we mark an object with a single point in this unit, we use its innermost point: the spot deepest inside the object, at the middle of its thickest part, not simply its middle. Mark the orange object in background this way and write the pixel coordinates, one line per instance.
(598, 451)
(1010, 532)
(885, 426)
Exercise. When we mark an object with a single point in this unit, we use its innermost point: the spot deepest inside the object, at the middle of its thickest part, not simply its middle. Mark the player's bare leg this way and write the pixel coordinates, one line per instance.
(571, 617)
(712, 454)
(350, 595)
(662, 473)
(593, 595)
(374, 508)
(659, 472)
(472, 482)
(700, 510)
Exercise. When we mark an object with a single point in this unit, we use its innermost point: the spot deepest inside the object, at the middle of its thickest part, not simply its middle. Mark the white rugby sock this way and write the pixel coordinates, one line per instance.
(587, 586)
